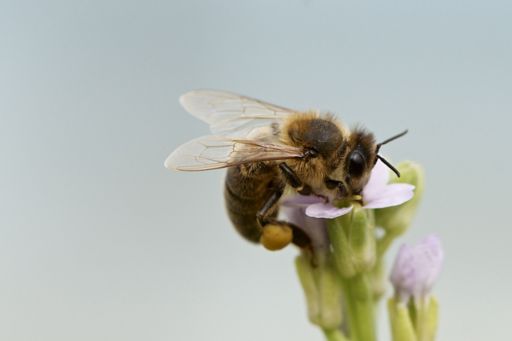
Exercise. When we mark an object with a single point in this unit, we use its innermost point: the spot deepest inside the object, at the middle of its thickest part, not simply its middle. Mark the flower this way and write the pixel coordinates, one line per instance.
(310, 212)
(416, 268)
(376, 194)
(294, 210)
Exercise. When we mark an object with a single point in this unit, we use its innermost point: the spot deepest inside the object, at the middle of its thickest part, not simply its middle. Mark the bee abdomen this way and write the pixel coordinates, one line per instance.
(244, 195)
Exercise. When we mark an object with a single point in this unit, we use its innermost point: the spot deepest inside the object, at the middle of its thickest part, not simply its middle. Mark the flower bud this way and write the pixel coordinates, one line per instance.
(413, 274)
(395, 220)
(322, 291)
(416, 268)
(353, 241)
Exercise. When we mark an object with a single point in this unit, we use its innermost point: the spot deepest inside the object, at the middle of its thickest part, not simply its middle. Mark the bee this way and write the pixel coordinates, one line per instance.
(267, 150)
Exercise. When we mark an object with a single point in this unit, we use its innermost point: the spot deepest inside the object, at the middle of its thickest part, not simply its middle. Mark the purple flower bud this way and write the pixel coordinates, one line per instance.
(416, 268)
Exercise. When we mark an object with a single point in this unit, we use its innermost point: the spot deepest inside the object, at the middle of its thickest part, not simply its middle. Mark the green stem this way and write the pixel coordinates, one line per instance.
(360, 305)
(334, 335)
(377, 279)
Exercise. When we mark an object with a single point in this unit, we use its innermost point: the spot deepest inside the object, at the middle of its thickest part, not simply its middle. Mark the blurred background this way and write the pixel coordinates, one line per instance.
(99, 242)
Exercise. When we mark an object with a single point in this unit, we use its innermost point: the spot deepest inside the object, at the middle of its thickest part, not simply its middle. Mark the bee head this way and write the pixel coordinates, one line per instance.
(360, 153)
(359, 160)
(356, 156)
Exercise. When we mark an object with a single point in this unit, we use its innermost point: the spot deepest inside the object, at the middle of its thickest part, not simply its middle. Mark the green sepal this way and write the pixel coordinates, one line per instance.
(427, 313)
(353, 240)
(402, 328)
(322, 290)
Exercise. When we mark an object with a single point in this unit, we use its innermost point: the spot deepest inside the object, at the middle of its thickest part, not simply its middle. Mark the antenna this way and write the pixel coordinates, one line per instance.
(392, 138)
(390, 166)
(386, 162)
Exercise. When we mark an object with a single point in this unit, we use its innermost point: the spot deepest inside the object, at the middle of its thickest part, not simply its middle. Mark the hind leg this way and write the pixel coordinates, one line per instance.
(277, 234)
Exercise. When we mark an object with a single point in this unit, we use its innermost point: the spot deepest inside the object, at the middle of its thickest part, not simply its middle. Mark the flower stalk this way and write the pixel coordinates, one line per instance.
(345, 279)
(354, 253)
(334, 335)
(361, 310)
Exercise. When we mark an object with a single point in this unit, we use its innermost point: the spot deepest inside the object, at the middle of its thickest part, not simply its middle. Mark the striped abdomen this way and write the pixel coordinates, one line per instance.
(246, 190)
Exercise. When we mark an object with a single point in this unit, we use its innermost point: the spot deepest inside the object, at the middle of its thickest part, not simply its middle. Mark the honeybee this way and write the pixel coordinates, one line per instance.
(269, 149)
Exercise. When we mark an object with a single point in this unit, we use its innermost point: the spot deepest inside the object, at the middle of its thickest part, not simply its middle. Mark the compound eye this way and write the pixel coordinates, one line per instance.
(357, 164)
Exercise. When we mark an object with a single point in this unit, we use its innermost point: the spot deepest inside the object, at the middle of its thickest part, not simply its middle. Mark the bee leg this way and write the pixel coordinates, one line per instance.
(267, 208)
(277, 234)
(294, 180)
(274, 234)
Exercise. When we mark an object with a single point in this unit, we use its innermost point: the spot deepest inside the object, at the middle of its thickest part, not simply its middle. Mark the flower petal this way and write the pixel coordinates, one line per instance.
(315, 228)
(379, 177)
(404, 275)
(434, 255)
(391, 195)
(326, 210)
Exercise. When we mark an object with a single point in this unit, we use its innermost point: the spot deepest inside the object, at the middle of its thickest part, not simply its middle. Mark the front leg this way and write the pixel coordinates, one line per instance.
(277, 234)
(293, 179)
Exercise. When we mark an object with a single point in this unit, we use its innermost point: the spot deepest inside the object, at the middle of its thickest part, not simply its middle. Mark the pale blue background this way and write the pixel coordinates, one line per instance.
(99, 242)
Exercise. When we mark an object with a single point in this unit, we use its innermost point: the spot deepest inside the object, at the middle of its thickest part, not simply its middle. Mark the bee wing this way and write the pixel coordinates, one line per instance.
(213, 152)
(232, 114)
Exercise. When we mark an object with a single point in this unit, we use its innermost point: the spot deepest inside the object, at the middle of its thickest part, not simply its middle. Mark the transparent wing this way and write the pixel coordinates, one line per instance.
(232, 114)
(213, 152)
